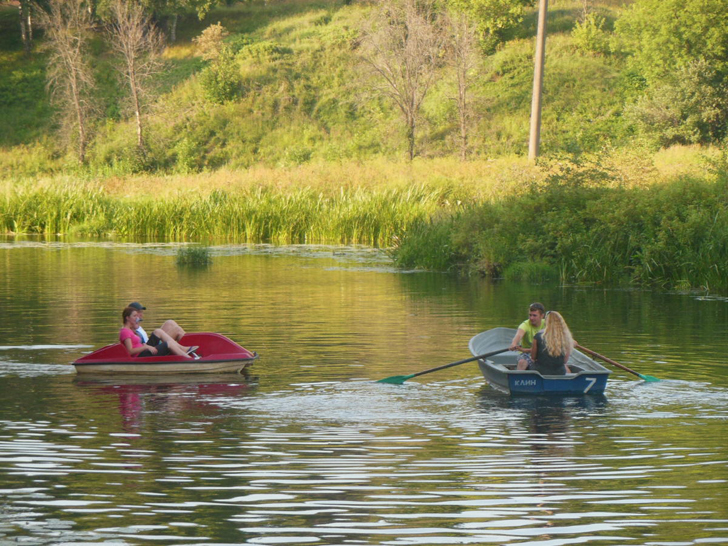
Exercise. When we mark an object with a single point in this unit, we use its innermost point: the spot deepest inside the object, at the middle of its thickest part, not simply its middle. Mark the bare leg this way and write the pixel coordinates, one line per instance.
(522, 365)
(172, 345)
(174, 330)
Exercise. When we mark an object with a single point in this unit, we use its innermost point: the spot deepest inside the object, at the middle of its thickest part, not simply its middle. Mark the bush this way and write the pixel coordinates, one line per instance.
(188, 157)
(428, 246)
(210, 42)
(583, 223)
(690, 107)
(265, 51)
(589, 35)
(221, 80)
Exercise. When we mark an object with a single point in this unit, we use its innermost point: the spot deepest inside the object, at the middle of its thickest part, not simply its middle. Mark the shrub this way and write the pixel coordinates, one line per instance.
(689, 107)
(428, 246)
(265, 51)
(210, 43)
(589, 35)
(188, 156)
(221, 81)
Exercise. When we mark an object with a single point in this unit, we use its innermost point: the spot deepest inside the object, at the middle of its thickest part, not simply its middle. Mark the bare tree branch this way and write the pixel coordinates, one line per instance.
(402, 47)
(139, 45)
(70, 80)
(463, 53)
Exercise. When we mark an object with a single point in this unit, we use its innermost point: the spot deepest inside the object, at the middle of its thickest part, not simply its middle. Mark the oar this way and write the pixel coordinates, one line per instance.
(399, 379)
(647, 378)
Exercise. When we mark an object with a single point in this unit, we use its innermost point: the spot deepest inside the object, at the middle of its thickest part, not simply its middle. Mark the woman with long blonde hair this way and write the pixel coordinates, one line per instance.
(552, 346)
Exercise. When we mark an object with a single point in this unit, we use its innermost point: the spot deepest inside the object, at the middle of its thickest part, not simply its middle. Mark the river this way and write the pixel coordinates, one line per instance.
(311, 450)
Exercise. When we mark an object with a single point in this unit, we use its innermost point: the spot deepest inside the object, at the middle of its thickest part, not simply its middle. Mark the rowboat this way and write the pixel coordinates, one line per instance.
(587, 377)
(218, 354)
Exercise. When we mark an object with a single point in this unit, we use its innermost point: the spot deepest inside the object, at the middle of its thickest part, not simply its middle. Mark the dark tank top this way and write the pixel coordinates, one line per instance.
(545, 363)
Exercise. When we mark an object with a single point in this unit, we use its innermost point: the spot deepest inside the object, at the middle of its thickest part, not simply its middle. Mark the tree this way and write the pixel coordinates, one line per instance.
(211, 42)
(138, 44)
(173, 9)
(493, 17)
(68, 25)
(687, 107)
(25, 9)
(680, 50)
(490, 20)
(220, 80)
(462, 57)
(661, 36)
(402, 48)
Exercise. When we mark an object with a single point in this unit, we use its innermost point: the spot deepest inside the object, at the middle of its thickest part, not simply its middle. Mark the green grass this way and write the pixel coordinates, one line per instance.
(194, 256)
(255, 214)
(304, 99)
(587, 223)
(306, 153)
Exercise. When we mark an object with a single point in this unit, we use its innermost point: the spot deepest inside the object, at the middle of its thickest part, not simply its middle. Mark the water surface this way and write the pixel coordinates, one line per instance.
(314, 451)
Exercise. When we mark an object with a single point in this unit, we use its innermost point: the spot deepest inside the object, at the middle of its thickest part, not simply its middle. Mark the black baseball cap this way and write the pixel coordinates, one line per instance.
(137, 305)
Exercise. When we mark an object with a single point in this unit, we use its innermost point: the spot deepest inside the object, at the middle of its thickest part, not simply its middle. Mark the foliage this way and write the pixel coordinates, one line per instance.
(583, 222)
(493, 17)
(429, 246)
(221, 80)
(589, 35)
(259, 214)
(687, 107)
(293, 93)
(194, 256)
(533, 272)
(680, 47)
(210, 43)
(664, 35)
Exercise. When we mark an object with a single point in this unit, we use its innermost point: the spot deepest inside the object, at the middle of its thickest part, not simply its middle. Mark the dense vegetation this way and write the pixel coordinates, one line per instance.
(292, 141)
(584, 223)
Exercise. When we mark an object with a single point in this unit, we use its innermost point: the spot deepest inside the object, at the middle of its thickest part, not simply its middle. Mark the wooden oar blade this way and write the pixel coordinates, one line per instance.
(396, 379)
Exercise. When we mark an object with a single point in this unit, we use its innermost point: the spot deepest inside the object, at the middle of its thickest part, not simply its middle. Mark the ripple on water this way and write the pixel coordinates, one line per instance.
(447, 462)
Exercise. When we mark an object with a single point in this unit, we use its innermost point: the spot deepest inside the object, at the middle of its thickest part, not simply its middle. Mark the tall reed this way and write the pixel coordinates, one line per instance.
(590, 227)
(253, 214)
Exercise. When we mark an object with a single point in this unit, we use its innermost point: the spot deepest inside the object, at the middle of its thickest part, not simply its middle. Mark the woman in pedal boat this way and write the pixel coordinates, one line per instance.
(552, 346)
(134, 345)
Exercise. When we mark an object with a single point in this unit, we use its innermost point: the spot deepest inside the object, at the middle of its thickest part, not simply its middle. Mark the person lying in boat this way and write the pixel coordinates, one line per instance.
(551, 347)
(174, 330)
(134, 346)
(523, 339)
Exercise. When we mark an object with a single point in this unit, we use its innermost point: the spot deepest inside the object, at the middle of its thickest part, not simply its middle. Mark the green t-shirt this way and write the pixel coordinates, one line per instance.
(531, 331)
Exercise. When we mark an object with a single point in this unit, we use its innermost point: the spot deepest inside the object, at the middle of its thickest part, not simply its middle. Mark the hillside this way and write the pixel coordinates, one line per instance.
(303, 98)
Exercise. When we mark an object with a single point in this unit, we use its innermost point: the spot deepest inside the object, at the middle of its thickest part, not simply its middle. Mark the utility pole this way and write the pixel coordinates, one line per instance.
(535, 135)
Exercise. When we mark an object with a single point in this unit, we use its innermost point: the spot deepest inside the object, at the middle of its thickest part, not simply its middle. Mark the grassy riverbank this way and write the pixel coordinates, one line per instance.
(305, 150)
(623, 220)
(370, 203)
(587, 223)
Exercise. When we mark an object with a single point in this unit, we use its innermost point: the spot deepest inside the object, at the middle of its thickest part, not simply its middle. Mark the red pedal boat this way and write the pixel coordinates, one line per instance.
(218, 354)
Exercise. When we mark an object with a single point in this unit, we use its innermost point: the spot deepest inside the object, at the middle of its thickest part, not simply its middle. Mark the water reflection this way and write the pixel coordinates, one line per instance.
(316, 451)
(141, 396)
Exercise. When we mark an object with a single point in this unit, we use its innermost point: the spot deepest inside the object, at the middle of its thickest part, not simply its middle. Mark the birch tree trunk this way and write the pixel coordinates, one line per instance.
(138, 45)
(69, 76)
(26, 26)
(402, 47)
